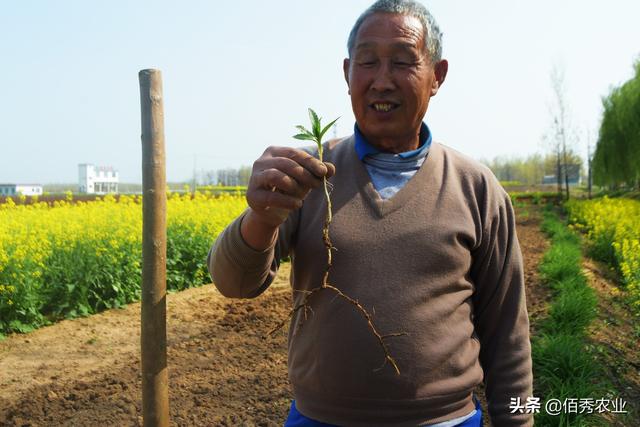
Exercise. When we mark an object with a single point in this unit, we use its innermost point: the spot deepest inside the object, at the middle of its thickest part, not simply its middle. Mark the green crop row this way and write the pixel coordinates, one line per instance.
(563, 368)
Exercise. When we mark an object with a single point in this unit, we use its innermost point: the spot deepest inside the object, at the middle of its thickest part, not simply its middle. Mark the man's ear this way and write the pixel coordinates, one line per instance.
(345, 69)
(440, 71)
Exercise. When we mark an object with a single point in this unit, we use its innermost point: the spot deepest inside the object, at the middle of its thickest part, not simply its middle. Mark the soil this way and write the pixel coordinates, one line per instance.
(614, 336)
(222, 371)
(86, 372)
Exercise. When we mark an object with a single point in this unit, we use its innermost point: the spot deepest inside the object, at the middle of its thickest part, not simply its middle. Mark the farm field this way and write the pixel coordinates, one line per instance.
(222, 372)
(612, 228)
(72, 258)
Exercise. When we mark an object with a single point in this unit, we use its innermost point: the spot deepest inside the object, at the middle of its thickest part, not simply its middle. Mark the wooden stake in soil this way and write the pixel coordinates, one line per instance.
(153, 338)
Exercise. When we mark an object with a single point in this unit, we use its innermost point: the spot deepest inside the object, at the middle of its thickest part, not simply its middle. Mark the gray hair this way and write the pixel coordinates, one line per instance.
(433, 36)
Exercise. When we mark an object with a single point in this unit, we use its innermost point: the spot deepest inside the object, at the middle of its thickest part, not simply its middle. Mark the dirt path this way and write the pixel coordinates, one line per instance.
(85, 372)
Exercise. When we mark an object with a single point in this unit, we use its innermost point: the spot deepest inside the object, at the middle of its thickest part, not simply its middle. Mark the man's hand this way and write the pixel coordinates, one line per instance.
(280, 180)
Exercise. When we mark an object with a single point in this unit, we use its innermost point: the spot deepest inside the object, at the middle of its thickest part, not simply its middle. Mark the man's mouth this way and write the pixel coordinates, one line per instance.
(384, 107)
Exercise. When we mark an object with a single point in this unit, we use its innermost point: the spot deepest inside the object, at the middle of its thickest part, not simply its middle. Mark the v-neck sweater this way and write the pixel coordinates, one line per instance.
(439, 262)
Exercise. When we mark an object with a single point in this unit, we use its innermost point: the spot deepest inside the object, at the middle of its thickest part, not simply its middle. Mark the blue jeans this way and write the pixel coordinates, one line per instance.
(296, 419)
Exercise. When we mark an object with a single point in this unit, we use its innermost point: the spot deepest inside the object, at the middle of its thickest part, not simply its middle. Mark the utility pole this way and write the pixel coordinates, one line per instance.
(153, 336)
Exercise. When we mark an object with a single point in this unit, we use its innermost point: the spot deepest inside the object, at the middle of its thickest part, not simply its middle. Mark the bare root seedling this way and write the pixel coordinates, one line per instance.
(316, 134)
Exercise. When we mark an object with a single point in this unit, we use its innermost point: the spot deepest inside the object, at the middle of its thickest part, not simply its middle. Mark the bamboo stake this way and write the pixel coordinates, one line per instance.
(153, 338)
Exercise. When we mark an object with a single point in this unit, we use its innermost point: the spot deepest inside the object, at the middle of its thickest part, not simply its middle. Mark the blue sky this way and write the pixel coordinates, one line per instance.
(239, 75)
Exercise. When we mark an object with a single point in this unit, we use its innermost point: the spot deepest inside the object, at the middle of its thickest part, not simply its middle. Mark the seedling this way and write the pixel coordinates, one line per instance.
(315, 134)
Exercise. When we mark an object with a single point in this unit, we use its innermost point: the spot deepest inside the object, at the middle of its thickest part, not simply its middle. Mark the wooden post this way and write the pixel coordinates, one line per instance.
(153, 339)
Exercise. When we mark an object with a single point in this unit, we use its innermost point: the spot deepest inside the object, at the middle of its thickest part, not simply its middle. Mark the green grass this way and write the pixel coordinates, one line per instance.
(572, 312)
(563, 366)
(560, 362)
(557, 230)
(561, 262)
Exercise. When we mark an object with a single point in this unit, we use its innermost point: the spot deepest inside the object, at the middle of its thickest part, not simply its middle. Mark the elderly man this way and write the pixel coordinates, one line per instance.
(426, 242)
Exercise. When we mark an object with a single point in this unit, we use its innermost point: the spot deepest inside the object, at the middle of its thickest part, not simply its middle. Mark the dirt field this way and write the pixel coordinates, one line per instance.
(85, 372)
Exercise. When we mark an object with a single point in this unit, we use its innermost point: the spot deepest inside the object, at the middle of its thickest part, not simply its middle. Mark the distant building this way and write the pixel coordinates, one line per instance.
(574, 176)
(97, 179)
(20, 189)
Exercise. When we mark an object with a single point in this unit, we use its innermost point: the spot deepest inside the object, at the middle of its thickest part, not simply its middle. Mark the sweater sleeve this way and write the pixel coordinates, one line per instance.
(238, 270)
(500, 313)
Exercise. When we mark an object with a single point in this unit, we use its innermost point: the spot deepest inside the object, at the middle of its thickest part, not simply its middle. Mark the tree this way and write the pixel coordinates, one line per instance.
(532, 169)
(227, 177)
(616, 160)
(244, 173)
(561, 129)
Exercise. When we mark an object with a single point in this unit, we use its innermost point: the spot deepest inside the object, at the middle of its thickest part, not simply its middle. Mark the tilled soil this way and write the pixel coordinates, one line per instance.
(86, 372)
(223, 372)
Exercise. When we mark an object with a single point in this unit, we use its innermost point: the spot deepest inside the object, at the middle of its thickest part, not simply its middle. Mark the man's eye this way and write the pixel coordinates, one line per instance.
(367, 64)
(403, 64)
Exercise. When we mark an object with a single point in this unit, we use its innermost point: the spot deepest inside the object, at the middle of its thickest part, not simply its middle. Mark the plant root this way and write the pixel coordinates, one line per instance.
(306, 306)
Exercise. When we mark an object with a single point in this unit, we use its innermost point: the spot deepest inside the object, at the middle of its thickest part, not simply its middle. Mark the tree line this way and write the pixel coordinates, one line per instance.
(535, 169)
(230, 177)
(616, 161)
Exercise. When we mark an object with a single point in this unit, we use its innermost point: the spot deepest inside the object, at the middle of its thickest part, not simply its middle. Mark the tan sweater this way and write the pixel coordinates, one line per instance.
(439, 261)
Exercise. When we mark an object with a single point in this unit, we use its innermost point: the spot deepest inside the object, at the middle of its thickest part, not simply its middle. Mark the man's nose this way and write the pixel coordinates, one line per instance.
(383, 80)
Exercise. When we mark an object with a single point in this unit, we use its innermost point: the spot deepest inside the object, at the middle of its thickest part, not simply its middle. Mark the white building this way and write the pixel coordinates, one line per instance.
(97, 179)
(20, 189)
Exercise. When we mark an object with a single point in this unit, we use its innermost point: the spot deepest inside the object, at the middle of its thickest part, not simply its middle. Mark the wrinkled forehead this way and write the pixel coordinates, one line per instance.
(390, 29)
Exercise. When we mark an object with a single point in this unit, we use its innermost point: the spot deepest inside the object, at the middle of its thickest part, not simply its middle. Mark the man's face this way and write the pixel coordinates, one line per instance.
(391, 79)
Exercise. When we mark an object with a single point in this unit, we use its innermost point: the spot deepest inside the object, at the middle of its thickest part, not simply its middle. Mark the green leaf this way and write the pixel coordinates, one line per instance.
(313, 117)
(304, 136)
(18, 326)
(327, 127)
(304, 130)
(317, 131)
(315, 123)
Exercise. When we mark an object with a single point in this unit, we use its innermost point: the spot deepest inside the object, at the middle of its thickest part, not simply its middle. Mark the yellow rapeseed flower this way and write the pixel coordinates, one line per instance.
(95, 240)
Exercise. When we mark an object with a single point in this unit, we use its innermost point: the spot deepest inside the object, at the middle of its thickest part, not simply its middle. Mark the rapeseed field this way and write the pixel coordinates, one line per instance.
(612, 228)
(71, 259)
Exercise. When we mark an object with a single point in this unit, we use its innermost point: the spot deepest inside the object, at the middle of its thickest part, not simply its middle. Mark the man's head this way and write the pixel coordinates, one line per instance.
(394, 68)
(433, 45)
